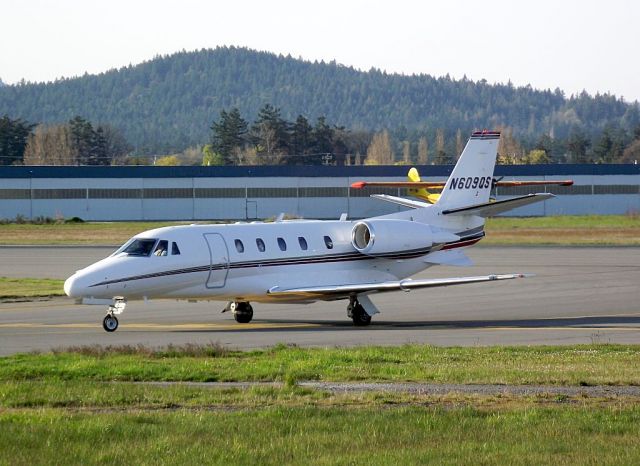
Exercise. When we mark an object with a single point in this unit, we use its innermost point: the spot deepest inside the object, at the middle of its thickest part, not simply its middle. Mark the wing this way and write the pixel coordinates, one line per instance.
(332, 292)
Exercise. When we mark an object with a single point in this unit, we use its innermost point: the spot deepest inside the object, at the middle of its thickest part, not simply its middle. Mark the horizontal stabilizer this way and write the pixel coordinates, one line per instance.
(401, 201)
(489, 209)
(331, 292)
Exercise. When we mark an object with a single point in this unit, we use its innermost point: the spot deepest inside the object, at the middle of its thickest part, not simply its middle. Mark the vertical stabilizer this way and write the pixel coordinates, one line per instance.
(471, 179)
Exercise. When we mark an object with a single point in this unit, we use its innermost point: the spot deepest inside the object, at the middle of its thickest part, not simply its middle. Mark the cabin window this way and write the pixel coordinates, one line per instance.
(175, 250)
(282, 244)
(138, 247)
(328, 242)
(260, 244)
(303, 243)
(162, 249)
(239, 246)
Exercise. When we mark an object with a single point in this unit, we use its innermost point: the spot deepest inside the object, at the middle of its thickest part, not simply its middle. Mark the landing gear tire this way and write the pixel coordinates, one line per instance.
(356, 312)
(110, 323)
(242, 312)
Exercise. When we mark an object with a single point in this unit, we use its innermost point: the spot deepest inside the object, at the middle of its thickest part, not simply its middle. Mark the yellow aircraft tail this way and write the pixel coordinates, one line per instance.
(420, 193)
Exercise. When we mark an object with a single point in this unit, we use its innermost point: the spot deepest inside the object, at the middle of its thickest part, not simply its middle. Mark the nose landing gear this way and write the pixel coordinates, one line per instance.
(110, 321)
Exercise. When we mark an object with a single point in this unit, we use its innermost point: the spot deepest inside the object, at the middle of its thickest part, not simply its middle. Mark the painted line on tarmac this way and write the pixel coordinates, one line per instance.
(160, 327)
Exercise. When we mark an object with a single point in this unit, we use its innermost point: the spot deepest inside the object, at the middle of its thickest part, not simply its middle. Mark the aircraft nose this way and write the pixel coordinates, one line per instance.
(71, 286)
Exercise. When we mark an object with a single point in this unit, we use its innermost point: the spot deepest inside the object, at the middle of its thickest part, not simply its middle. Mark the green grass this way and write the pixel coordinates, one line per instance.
(579, 365)
(71, 408)
(559, 230)
(565, 221)
(589, 230)
(13, 288)
(323, 435)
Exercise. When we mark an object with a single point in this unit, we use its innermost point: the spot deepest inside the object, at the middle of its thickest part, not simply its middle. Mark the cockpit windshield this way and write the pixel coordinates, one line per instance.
(137, 247)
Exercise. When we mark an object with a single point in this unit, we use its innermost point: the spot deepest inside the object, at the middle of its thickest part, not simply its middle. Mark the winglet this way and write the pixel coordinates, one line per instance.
(358, 184)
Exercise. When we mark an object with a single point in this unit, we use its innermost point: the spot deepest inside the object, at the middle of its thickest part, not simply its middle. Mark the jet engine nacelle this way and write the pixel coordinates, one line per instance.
(386, 236)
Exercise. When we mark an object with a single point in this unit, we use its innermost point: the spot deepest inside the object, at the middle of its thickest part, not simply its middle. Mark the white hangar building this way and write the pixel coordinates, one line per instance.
(258, 192)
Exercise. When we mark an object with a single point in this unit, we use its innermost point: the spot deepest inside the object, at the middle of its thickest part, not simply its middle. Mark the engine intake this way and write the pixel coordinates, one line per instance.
(388, 236)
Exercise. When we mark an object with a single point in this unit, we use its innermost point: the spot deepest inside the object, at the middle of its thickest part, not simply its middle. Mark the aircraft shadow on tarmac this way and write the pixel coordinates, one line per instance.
(300, 325)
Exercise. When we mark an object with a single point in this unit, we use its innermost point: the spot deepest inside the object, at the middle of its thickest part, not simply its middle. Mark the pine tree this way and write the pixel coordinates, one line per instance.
(301, 136)
(13, 140)
(269, 134)
(228, 135)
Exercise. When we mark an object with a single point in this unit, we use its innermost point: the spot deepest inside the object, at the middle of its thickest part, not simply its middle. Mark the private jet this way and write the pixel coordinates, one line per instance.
(302, 261)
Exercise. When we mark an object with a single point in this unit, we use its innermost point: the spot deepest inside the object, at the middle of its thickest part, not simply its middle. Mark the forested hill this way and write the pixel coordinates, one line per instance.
(170, 102)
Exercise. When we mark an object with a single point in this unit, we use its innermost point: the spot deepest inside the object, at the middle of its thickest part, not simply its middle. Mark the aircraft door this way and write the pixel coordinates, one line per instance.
(218, 260)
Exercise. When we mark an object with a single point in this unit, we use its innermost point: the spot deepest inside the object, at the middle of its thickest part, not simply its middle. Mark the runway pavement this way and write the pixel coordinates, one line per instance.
(579, 295)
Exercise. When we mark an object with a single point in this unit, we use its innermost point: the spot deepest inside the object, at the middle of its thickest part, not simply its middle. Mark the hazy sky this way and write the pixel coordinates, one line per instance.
(569, 44)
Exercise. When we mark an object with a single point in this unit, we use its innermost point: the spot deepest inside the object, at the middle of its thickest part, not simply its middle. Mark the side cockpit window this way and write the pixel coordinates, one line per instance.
(175, 250)
(162, 249)
(138, 247)
(328, 242)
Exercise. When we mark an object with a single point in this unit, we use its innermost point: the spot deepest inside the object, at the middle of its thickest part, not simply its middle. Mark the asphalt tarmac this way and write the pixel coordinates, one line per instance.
(579, 295)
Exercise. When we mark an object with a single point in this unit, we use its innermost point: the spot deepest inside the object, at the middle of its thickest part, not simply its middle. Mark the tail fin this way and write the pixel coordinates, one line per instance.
(420, 193)
(470, 181)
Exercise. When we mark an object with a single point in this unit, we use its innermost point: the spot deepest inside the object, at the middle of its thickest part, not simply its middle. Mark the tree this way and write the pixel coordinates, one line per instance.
(301, 136)
(510, 151)
(322, 136)
(167, 161)
(83, 140)
(459, 143)
(269, 134)
(406, 152)
(577, 145)
(610, 145)
(380, 151)
(211, 158)
(228, 135)
(423, 151)
(537, 156)
(13, 140)
(50, 145)
(115, 147)
(441, 155)
(632, 153)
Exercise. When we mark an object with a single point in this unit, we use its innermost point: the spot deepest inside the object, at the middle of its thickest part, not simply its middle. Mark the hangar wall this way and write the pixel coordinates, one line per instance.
(239, 193)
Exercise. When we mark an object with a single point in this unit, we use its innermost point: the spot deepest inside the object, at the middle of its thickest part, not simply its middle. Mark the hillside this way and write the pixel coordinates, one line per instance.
(169, 103)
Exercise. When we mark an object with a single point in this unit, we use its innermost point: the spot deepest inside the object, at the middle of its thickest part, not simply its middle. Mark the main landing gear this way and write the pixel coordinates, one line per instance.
(356, 312)
(110, 321)
(242, 311)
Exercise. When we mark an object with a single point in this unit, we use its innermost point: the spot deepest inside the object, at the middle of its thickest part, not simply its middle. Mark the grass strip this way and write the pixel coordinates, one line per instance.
(15, 288)
(590, 230)
(577, 365)
(324, 435)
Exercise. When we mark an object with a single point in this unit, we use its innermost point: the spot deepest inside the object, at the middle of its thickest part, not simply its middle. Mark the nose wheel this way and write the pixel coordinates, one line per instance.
(110, 321)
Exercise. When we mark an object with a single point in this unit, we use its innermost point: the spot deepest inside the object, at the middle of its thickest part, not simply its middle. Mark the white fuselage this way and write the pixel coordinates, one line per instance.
(228, 263)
